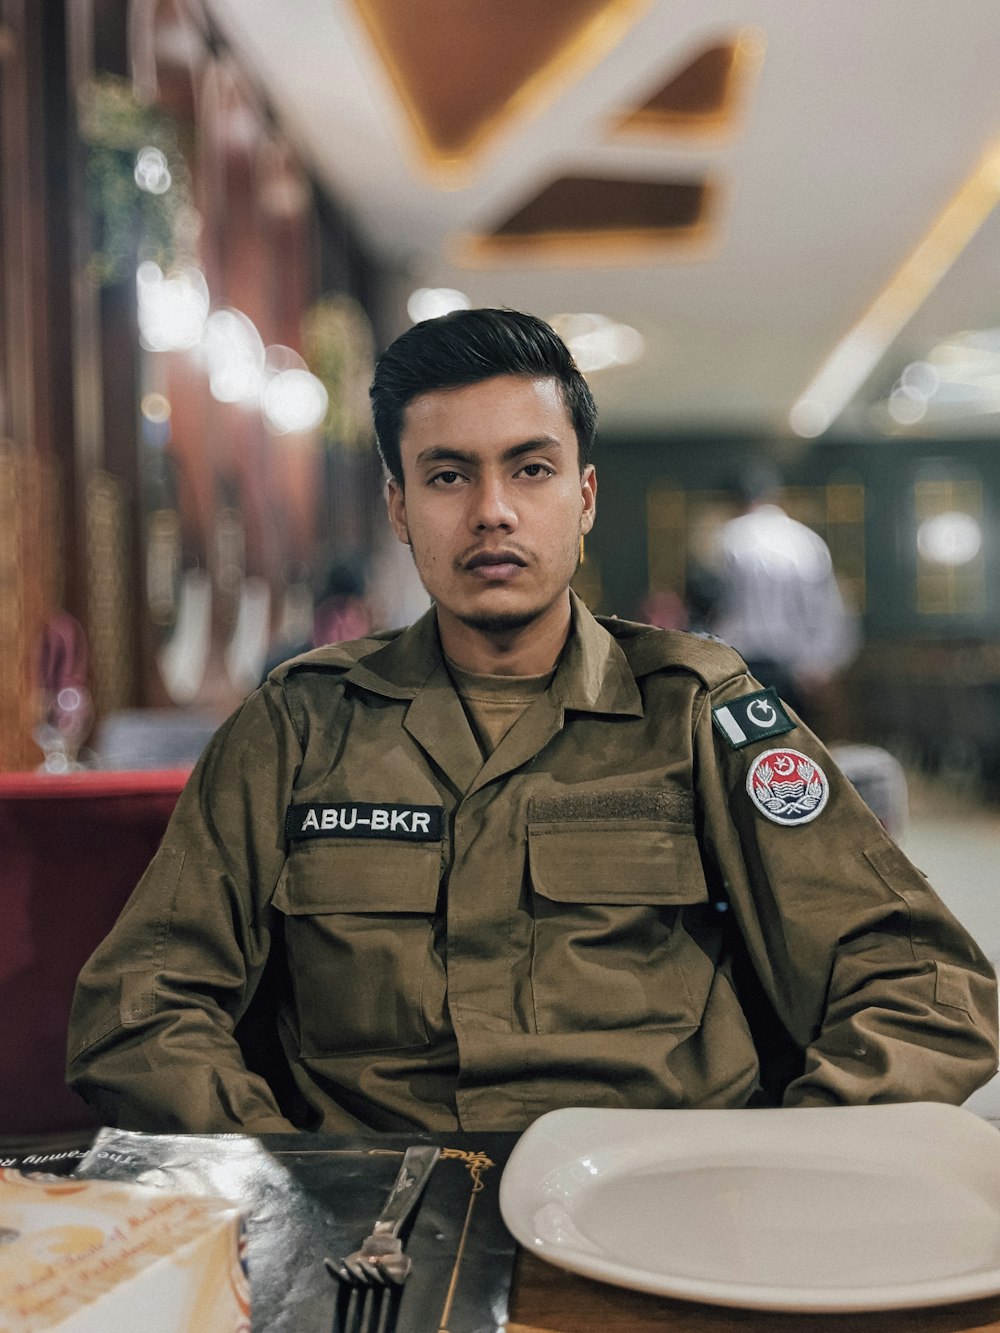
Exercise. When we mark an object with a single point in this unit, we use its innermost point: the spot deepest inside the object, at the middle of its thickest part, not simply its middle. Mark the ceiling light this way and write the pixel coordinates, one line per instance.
(172, 308)
(809, 418)
(857, 354)
(233, 352)
(431, 302)
(951, 538)
(152, 171)
(958, 379)
(597, 342)
(155, 407)
(294, 400)
(920, 377)
(907, 405)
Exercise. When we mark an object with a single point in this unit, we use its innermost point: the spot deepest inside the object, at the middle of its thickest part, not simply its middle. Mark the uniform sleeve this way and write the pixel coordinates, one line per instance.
(151, 1036)
(885, 992)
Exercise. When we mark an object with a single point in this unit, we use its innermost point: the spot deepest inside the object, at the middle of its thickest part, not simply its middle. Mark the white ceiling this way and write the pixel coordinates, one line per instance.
(864, 119)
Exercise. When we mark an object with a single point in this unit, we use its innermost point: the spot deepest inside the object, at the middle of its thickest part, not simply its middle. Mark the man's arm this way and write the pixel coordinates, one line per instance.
(151, 1042)
(875, 979)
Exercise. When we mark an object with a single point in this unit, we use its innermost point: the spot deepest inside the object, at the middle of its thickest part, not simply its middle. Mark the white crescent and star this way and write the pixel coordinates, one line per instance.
(761, 713)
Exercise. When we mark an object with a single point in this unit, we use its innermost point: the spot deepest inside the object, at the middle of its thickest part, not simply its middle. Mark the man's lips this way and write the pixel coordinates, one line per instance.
(494, 564)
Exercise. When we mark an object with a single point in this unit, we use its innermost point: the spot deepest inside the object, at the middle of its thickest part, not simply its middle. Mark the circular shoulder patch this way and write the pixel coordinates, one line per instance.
(787, 787)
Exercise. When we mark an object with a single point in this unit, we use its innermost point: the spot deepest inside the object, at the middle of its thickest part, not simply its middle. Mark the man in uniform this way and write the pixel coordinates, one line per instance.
(514, 857)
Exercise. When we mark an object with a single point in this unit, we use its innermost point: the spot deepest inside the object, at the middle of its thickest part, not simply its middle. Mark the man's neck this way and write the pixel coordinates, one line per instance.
(530, 650)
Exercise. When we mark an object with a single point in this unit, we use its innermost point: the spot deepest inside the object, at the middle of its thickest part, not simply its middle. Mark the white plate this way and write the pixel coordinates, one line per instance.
(825, 1209)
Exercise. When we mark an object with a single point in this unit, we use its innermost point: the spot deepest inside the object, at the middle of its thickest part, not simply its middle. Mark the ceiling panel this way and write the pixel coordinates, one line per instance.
(463, 67)
(842, 131)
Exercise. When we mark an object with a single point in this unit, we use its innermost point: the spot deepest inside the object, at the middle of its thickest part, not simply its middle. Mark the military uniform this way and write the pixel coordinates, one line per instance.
(652, 876)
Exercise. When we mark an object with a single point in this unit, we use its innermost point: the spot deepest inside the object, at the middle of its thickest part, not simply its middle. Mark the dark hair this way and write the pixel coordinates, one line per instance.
(756, 481)
(465, 347)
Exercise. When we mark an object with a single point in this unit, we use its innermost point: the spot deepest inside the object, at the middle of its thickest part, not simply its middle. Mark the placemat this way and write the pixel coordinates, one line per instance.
(311, 1196)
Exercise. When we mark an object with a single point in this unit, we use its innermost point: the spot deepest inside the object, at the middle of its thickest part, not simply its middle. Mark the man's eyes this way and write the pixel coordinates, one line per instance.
(448, 477)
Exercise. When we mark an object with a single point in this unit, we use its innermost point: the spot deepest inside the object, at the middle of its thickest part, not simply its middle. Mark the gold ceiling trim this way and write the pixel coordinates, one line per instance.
(725, 91)
(604, 246)
(607, 249)
(454, 162)
(859, 351)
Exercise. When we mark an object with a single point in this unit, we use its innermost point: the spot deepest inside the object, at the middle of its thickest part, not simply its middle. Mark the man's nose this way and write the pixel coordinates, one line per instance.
(493, 506)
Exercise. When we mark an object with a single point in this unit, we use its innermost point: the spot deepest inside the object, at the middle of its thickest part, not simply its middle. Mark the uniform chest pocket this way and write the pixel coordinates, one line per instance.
(359, 935)
(604, 861)
(610, 950)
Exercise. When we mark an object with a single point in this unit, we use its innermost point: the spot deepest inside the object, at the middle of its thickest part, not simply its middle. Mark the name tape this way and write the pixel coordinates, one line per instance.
(363, 819)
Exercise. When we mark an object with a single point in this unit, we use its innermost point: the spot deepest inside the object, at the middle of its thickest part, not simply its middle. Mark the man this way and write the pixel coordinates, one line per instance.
(515, 858)
(778, 602)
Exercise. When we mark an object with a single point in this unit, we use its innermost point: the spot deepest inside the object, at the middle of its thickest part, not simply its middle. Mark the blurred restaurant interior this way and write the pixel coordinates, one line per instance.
(769, 232)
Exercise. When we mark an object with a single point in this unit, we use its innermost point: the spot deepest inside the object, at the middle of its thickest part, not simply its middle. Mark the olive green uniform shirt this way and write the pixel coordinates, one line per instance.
(603, 918)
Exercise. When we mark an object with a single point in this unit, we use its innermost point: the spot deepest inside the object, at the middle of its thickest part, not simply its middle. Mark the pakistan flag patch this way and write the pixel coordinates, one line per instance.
(752, 717)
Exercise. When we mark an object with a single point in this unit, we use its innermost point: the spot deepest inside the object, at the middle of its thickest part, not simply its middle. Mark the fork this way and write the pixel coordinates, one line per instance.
(370, 1277)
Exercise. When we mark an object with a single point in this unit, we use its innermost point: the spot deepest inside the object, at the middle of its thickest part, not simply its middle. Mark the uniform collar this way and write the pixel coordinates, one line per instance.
(593, 674)
(401, 667)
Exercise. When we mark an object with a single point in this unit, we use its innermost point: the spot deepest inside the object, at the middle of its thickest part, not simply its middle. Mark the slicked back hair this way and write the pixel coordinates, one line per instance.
(466, 347)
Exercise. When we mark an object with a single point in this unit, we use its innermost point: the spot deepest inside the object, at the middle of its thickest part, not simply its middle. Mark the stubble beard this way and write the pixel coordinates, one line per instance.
(500, 622)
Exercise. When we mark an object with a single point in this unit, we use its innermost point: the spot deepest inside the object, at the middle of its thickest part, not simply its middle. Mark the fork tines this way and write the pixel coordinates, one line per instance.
(367, 1309)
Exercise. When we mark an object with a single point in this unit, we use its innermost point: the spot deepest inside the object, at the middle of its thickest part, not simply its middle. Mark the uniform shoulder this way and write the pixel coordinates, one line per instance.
(333, 657)
(649, 649)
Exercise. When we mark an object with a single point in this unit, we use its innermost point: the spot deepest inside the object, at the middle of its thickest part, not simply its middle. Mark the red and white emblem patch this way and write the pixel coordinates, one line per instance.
(787, 787)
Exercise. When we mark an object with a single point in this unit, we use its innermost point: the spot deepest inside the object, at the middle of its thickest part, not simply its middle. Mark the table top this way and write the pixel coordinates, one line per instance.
(546, 1299)
(88, 784)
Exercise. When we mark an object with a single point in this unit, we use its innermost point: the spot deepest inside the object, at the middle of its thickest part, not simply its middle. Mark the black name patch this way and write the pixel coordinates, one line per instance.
(752, 717)
(362, 819)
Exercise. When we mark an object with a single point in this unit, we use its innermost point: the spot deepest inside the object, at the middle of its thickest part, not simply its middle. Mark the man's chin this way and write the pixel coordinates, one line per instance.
(499, 622)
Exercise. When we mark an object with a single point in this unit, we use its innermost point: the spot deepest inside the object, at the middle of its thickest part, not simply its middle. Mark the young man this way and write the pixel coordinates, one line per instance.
(515, 858)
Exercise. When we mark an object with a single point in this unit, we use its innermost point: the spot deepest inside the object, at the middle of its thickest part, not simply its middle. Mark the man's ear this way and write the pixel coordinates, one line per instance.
(588, 489)
(396, 505)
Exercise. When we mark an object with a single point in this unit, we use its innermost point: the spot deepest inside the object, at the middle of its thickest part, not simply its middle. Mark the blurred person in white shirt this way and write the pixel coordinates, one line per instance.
(779, 604)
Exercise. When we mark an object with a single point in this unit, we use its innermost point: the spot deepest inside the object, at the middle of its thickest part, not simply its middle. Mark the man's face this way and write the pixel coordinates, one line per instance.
(494, 503)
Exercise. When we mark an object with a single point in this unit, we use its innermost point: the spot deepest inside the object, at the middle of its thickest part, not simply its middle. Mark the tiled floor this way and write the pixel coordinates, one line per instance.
(954, 837)
(955, 840)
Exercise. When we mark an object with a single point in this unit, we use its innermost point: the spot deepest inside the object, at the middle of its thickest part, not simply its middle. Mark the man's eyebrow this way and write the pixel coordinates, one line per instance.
(443, 453)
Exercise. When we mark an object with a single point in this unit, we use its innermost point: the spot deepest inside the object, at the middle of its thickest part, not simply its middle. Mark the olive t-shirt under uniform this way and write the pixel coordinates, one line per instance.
(494, 703)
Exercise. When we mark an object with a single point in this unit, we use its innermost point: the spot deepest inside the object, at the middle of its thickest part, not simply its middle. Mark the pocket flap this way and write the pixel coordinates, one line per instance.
(636, 863)
(380, 876)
